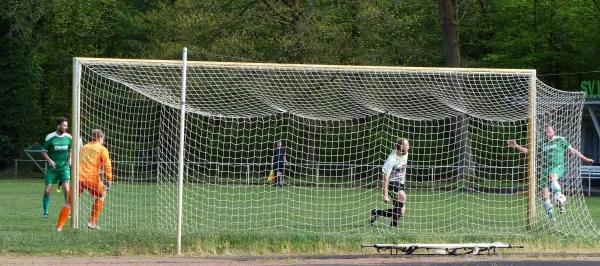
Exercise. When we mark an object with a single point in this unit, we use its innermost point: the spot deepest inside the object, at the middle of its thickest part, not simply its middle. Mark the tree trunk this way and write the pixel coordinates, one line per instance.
(451, 52)
(452, 58)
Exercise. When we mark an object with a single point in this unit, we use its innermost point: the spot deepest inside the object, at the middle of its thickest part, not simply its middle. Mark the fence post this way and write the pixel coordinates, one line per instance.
(317, 176)
(187, 171)
(351, 176)
(431, 173)
(248, 174)
(16, 167)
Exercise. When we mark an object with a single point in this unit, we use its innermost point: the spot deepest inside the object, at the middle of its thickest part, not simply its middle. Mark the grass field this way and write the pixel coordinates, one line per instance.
(223, 220)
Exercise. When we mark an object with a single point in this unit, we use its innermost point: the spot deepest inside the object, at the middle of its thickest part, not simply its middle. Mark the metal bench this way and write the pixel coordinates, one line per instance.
(590, 172)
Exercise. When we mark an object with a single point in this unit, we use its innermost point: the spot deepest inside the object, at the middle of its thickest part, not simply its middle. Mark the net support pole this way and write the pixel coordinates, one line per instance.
(531, 152)
(181, 152)
(75, 125)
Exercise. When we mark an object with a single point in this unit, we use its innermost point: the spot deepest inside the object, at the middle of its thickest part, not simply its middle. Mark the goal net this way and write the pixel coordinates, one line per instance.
(337, 125)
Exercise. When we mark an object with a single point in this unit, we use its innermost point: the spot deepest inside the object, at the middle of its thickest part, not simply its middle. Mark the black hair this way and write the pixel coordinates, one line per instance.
(60, 120)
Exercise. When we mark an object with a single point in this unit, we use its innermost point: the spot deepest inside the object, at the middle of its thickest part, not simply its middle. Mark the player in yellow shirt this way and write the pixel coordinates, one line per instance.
(92, 158)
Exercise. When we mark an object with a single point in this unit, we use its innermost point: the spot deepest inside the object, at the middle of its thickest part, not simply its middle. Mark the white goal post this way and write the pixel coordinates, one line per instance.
(193, 145)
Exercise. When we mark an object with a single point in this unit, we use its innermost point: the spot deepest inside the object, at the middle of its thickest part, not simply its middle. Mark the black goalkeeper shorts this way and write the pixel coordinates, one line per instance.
(393, 188)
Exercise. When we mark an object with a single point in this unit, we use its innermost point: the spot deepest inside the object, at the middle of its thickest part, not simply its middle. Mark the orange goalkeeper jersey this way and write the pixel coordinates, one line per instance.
(91, 158)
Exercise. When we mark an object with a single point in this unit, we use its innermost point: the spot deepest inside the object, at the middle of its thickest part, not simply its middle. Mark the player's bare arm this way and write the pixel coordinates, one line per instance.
(107, 163)
(514, 144)
(47, 158)
(386, 198)
(581, 156)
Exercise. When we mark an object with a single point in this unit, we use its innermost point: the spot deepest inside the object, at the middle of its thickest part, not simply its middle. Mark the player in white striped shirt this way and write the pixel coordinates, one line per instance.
(394, 177)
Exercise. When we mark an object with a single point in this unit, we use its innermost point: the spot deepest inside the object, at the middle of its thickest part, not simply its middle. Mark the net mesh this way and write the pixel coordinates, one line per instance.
(337, 125)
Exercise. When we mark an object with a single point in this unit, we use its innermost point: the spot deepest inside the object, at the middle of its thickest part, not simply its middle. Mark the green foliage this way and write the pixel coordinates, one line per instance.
(38, 40)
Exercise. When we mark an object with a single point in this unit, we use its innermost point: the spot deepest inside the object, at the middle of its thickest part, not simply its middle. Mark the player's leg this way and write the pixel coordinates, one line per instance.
(385, 213)
(402, 200)
(51, 178)
(46, 200)
(554, 185)
(555, 177)
(280, 172)
(393, 188)
(65, 178)
(545, 193)
(398, 206)
(96, 190)
(66, 209)
(64, 214)
(276, 169)
(66, 188)
(546, 202)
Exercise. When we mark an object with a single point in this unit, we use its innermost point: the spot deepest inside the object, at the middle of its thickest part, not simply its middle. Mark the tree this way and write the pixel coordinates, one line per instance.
(451, 51)
(20, 77)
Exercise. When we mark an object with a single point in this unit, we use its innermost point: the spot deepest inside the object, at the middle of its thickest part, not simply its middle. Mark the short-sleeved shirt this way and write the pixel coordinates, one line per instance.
(279, 155)
(395, 167)
(92, 157)
(58, 148)
(553, 152)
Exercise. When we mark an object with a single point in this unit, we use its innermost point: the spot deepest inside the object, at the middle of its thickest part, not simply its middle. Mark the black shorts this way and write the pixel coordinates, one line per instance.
(393, 188)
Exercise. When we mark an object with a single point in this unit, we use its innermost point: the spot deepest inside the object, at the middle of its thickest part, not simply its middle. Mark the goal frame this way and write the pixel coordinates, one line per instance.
(76, 119)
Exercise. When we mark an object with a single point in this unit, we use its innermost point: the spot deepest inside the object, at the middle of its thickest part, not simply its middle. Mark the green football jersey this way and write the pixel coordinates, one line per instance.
(58, 148)
(553, 152)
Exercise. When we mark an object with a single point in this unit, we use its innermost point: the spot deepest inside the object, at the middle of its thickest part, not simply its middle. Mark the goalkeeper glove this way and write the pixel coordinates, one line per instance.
(108, 185)
(272, 175)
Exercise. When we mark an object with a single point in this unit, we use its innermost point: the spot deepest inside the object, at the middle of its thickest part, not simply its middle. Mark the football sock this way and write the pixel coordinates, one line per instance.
(390, 212)
(397, 211)
(62, 217)
(385, 213)
(46, 203)
(556, 189)
(548, 207)
(96, 209)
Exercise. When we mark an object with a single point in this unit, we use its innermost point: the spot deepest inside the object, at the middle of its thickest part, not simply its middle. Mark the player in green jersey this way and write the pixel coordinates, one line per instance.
(57, 152)
(553, 166)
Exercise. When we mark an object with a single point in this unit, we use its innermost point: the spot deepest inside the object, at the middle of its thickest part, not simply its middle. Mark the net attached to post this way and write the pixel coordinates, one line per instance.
(336, 125)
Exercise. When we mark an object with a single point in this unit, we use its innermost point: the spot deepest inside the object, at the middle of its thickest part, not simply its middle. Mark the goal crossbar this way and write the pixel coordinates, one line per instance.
(515, 72)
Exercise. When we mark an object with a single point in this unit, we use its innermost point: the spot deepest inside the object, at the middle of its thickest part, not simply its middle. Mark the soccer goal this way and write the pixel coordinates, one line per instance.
(192, 145)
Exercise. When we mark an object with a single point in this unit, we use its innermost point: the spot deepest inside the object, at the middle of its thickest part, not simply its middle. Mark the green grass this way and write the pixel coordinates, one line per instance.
(223, 220)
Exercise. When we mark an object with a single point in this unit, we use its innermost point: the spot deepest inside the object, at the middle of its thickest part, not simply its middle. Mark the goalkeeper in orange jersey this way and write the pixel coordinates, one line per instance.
(93, 156)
